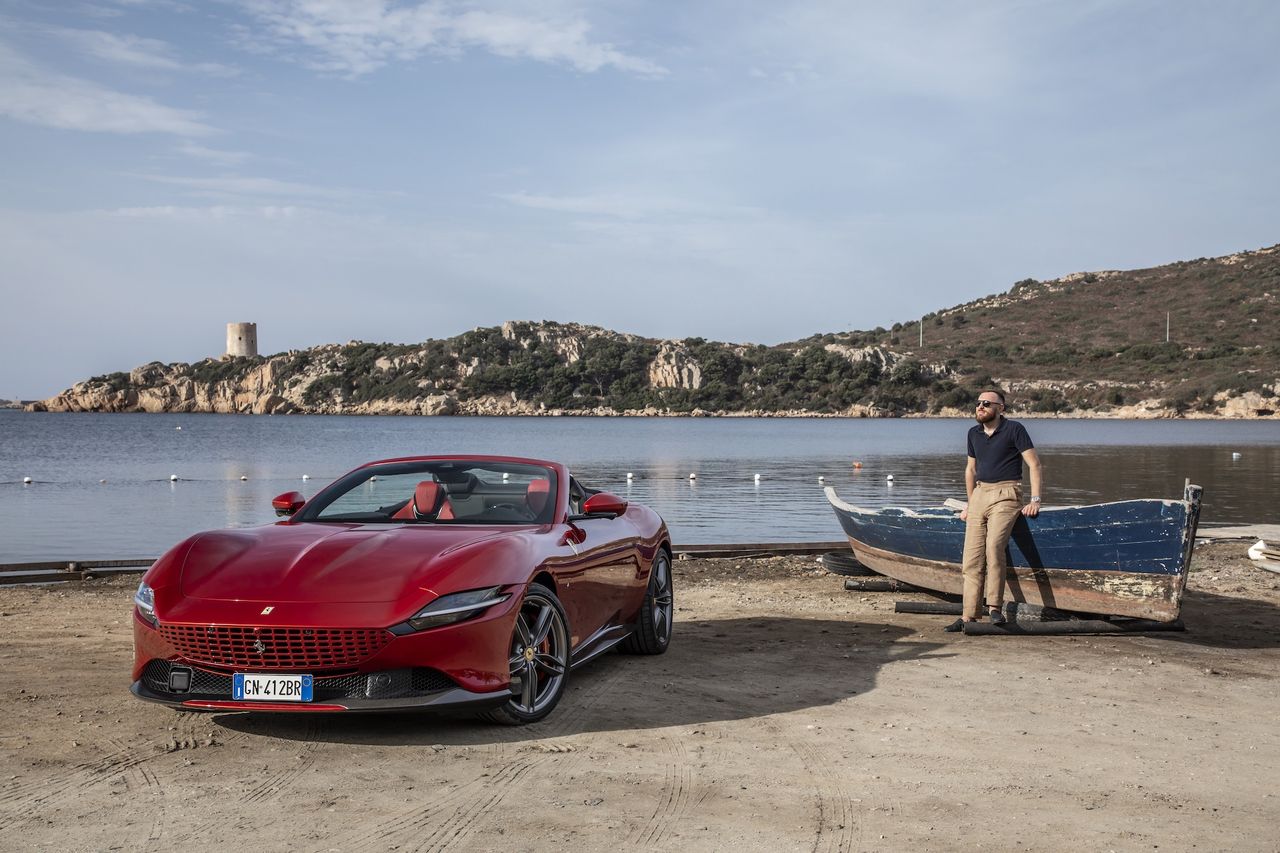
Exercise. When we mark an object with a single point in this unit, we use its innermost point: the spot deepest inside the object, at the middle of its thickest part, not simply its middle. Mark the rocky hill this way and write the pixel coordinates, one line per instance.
(1090, 344)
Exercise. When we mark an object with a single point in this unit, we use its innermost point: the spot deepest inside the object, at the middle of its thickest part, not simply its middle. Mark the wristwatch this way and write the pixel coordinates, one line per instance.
(1035, 499)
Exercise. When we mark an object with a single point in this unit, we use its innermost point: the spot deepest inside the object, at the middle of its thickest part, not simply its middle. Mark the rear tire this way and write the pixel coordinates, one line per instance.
(652, 634)
(538, 657)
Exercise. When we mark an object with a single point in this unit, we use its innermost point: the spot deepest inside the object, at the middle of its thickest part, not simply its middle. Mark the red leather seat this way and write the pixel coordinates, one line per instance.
(537, 494)
(429, 501)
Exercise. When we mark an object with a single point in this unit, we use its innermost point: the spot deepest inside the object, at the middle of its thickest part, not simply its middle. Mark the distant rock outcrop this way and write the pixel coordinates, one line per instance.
(674, 367)
(1191, 339)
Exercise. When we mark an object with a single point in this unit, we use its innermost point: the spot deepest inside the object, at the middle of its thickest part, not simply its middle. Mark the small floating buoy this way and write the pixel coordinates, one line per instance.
(630, 476)
(889, 478)
(505, 475)
(857, 465)
(1235, 455)
(243, 477)
(306, 476)
(173, 478)
(373, 479)
(26, 481)
(822, 479)
(693, 476)
(757, 478)
(102, 481)
(178, 427)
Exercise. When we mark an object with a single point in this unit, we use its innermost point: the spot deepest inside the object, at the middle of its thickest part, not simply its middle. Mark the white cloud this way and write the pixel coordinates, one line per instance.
(122, 49)
(628, 206)
(136, 51)
(358, 38)
(214, 212)
(508, 35)
(979, 50)
(213, 155)
(233, 186)
(36, 96)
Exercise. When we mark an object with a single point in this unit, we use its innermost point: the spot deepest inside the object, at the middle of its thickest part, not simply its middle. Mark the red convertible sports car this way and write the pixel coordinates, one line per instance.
(418, 583)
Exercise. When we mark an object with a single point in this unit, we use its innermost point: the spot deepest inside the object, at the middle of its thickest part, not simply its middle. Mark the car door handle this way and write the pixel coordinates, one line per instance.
(573, 536)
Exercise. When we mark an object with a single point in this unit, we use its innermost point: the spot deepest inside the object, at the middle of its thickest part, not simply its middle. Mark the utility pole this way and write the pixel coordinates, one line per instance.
(922, 333)
(1166, 327)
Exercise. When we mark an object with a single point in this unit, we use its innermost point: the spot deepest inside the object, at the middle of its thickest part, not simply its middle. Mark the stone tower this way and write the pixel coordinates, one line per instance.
(242, 339)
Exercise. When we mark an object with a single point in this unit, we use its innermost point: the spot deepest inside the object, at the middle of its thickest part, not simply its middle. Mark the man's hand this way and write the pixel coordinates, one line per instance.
(964, 514)
(1032, 509)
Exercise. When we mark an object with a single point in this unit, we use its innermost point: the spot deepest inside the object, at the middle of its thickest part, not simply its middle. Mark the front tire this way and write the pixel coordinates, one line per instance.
(652, 634)
(539, 659)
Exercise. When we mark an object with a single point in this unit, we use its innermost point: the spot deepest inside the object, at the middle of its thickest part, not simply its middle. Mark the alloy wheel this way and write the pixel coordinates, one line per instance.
(539, 657)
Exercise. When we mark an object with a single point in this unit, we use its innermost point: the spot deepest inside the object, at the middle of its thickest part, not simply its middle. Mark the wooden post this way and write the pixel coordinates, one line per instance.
(946, 608)
(1073, 626)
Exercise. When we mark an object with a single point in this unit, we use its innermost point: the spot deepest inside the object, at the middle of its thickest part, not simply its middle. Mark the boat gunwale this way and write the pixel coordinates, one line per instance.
(947, 512)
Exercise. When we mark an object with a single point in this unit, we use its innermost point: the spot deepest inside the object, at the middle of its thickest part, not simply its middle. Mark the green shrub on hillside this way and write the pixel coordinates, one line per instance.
(220, 369)
(114, 381)
(1154, 353)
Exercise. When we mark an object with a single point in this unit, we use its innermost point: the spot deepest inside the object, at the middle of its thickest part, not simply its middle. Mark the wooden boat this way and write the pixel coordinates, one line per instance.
(1127, 558)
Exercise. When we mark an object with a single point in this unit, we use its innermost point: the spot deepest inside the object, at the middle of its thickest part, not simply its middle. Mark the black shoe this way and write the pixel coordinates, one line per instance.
(997, 618)
(955, 627)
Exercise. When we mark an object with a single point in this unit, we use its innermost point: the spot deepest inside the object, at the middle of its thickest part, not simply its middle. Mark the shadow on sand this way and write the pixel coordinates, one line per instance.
(1226, 622)
(715, 670)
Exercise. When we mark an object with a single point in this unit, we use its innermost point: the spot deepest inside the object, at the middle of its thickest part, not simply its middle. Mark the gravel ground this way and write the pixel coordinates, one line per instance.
(788, 715)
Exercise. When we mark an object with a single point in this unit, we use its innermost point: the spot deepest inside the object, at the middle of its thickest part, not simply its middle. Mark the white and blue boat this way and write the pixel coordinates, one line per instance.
(1127, 558)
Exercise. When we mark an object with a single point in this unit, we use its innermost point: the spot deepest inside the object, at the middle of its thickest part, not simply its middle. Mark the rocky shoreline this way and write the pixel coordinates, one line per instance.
(446, 406)
(555, 370)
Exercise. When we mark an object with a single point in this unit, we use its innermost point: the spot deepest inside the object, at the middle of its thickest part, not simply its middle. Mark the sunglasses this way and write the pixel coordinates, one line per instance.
(987, 404)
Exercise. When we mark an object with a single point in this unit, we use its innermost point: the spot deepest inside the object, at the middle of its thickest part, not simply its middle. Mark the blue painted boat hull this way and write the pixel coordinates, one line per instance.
(1128, 558)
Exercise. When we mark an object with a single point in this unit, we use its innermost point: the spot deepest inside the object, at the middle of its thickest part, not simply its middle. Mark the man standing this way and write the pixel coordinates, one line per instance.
(993, 478)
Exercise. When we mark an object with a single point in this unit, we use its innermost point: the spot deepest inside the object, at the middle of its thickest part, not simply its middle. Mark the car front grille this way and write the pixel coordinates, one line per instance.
(389, 684)
(275, 648)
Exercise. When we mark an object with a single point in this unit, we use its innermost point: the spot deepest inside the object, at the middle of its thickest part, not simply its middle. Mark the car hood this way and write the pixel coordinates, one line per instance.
(323, 563)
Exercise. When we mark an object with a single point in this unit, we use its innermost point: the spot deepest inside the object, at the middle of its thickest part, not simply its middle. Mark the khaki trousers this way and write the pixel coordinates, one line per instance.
(993, 510)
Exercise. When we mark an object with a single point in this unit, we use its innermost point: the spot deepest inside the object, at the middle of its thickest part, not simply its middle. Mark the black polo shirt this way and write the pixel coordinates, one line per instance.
(999, 455)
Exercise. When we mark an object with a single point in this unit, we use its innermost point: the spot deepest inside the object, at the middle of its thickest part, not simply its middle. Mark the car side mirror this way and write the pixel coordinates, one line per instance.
(603, 503)
(288, 503)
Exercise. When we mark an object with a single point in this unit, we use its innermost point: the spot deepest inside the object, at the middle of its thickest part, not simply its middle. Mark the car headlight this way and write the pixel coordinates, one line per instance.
(457, 606)
(145, 600)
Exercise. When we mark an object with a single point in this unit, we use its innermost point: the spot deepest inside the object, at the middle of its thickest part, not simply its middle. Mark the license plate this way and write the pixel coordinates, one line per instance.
(271, 688)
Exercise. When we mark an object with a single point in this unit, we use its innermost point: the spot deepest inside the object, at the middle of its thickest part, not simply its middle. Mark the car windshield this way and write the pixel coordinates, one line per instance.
(439, 492)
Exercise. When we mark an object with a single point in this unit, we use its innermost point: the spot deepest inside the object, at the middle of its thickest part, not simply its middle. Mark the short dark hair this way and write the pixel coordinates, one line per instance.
(995, 391)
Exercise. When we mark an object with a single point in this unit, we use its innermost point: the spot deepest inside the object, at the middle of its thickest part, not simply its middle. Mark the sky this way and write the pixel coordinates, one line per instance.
(736, 170)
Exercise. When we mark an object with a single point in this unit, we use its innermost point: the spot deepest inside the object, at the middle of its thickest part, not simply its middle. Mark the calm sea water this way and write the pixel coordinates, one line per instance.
(68, 512)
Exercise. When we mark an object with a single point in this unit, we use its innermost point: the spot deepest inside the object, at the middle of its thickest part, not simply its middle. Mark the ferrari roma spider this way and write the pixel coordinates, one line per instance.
(417, 583)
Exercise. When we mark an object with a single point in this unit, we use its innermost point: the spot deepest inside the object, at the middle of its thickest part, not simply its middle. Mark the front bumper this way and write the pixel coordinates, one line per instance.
(394, 690)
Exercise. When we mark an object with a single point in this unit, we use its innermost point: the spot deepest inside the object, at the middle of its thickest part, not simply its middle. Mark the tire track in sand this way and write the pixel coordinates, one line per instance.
(454, 815)
(837, 818)
(465, 819)
(24, 802)
(280, 778)
(145, 788)
(434, 824)
(578, 702)
(673, 799)
(274, 783)
(446, 821)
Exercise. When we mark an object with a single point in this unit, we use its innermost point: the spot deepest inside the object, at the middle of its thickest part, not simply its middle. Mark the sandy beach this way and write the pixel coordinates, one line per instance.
(789, 714)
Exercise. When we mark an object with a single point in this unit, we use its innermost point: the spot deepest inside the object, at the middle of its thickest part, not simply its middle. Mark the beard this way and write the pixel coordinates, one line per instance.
(985, 416)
